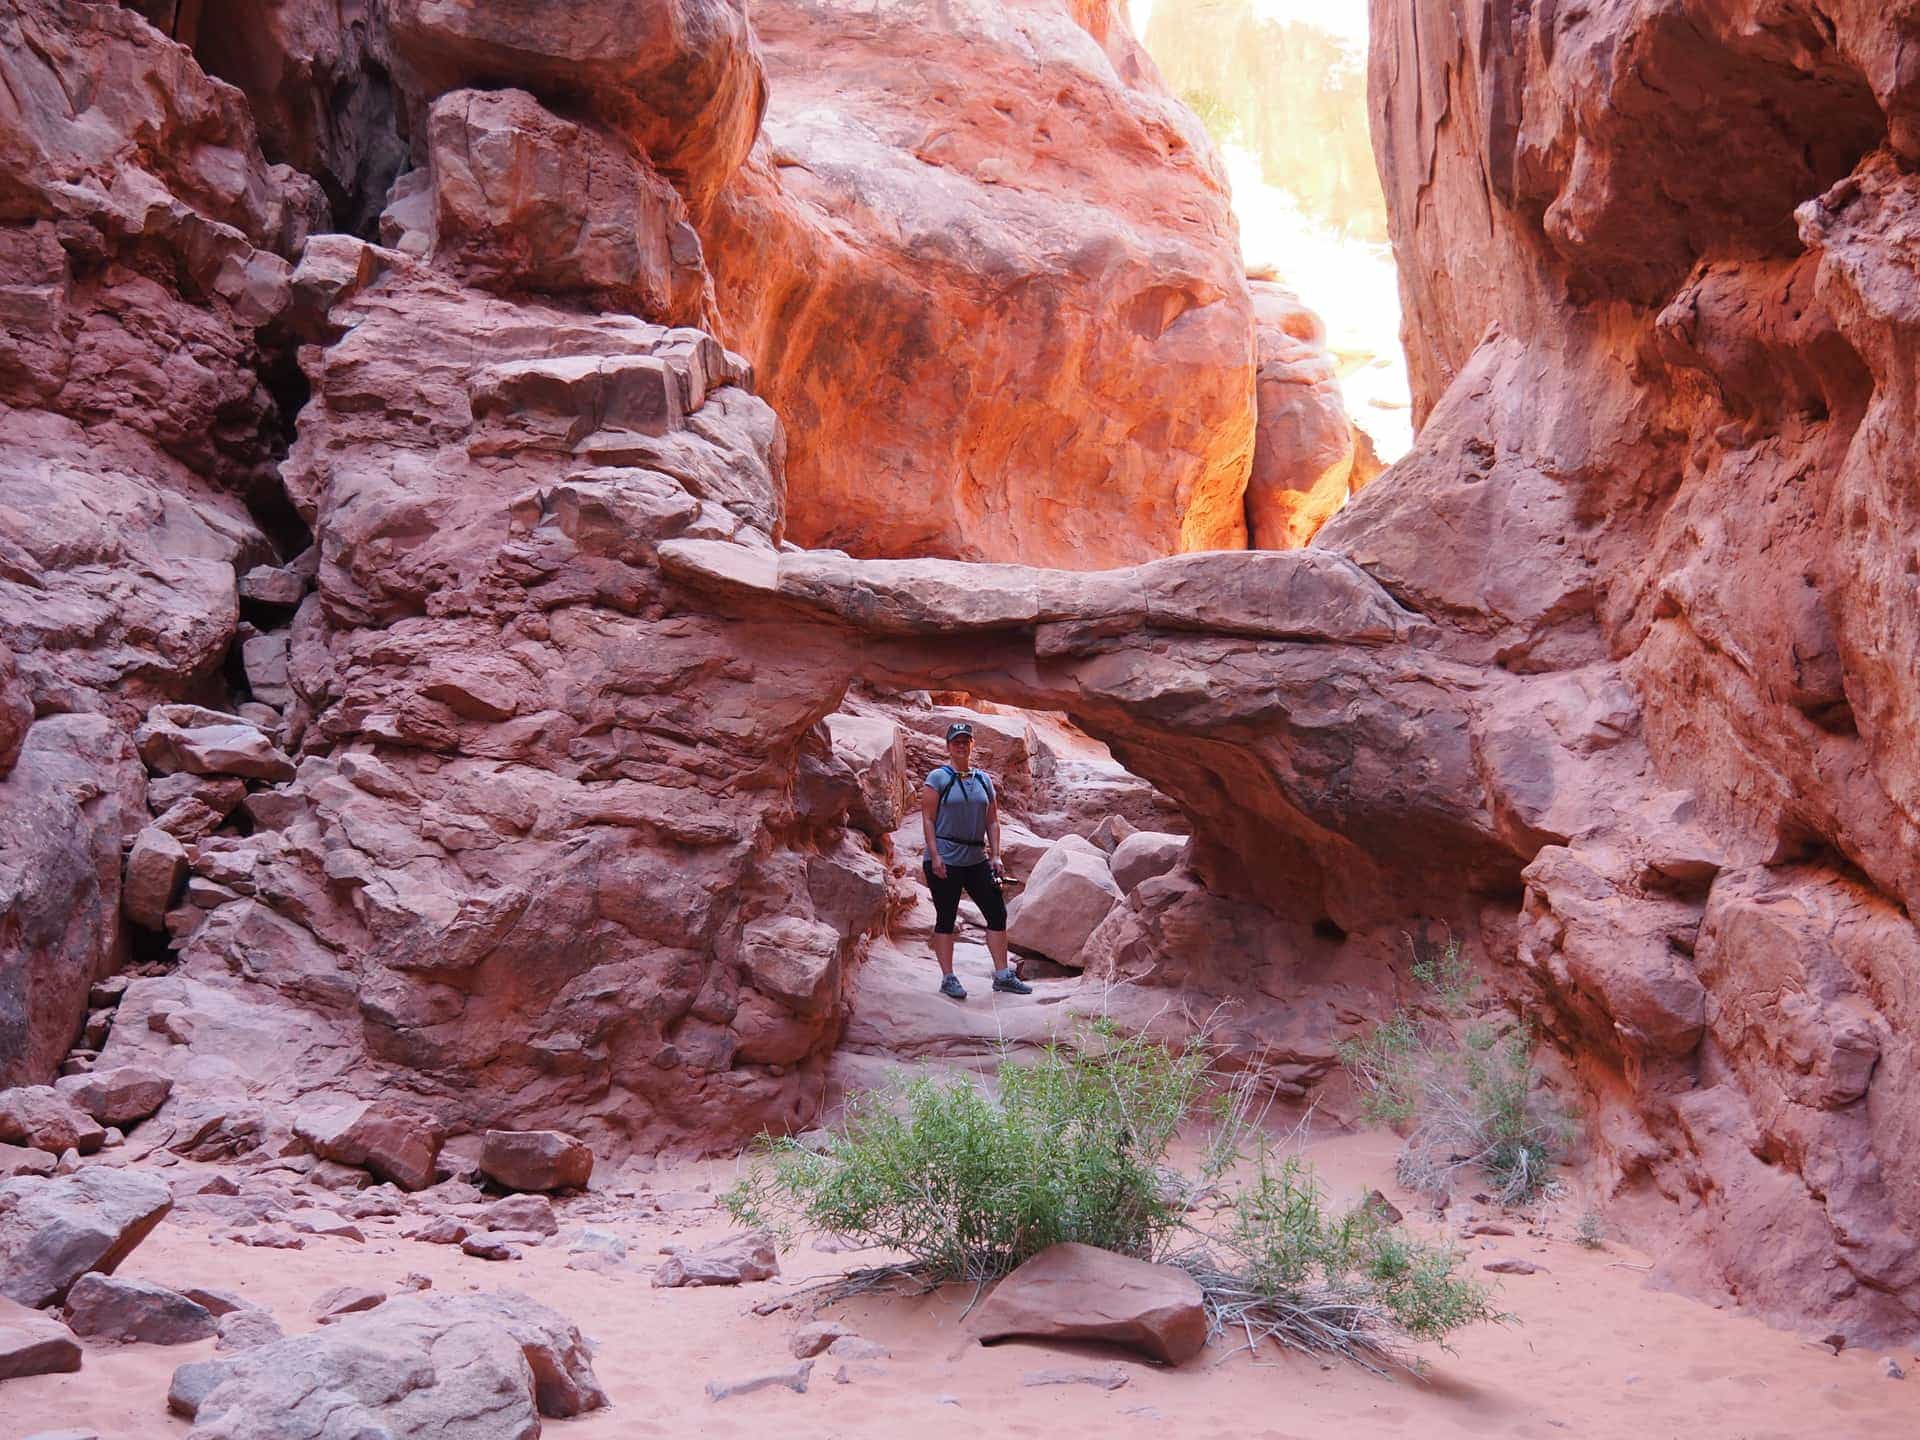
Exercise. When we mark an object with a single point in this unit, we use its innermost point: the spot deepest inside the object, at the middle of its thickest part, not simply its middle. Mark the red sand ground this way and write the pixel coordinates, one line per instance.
(1595, 1354)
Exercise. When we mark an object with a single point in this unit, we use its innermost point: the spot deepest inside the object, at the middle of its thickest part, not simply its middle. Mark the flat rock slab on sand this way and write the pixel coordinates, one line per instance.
(792, 1377)
(1080, 1292)
(108, 1308)
(732, 1261)
(33, 1343)
(442, 1367)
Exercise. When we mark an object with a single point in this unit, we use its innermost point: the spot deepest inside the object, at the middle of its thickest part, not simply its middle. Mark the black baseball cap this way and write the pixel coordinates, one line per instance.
(959, 729)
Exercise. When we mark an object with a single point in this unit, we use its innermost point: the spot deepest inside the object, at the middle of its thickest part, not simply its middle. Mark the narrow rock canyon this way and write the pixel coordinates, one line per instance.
(499, 503)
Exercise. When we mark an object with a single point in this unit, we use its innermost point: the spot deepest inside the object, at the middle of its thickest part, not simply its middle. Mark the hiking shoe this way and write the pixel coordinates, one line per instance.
(951, 987)
(1011, 982)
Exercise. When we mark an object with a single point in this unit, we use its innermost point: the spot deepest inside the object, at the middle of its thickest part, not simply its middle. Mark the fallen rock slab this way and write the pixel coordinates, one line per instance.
(344, 1300)
(1080, 1292)
(41, 1118)
(123, 1096)
(105, 1307)
(810, 1340)
(208, 742)
(732, 1261)
(600, 1251)
(156, 865)
(1109, 1379)
(24, 1160)
(420, 1367)
(54, 1230)
(531, 1213)
(33, 1343)
(535, 1160)
(1511, 1266)
(394, 1145)
(793, 1377)
(325, 1224)
(489, 1247)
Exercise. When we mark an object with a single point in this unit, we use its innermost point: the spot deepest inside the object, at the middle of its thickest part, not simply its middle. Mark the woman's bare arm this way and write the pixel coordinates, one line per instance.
(929, 809)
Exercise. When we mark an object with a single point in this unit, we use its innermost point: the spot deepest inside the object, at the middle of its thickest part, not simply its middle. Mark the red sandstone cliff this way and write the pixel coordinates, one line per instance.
(505, 795)
(986, 267)
(1657, 266)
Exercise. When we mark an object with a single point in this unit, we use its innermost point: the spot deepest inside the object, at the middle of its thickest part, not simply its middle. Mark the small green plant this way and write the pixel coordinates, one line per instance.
(1463, 1088)
(1286, 1267)
(969, 1186)
(1590, 1231)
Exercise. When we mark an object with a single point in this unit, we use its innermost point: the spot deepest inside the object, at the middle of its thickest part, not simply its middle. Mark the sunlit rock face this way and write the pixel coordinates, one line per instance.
(1657, 274)
(986, 269)
(1307, 457)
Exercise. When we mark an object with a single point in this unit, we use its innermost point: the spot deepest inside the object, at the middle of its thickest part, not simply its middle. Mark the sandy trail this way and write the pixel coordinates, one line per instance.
(1594, 1355)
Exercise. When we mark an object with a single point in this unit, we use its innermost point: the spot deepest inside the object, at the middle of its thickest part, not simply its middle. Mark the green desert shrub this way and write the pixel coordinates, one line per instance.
(1590, 1231)
(1461, 1087)
(968, 1185)
(1075, 1145)
(1287, 1267)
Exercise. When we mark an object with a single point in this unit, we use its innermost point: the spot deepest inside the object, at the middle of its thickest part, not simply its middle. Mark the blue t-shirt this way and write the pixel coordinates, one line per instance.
(960, 823)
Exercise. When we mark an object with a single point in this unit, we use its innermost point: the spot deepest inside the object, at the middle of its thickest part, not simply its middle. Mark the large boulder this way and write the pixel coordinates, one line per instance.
(53, 1231)
(34, 1343)
(1143, 855)
(434, 1367)
(105, 1307)
(1080, 1292)
(523, 200)
(1067, 896)
(41, 1117)
(535, 1160)
(120, 1095)
(156, 867)
(680, 79)
(1000, 200)
(872, 747)
(394, 1144)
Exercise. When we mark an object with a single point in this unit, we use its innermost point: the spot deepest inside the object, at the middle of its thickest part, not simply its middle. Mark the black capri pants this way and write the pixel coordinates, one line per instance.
(975, 880)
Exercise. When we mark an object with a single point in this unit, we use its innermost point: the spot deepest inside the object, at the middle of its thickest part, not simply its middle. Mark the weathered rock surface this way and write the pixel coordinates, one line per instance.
(1306, 461)
(681, 80)
(123, 1096)
(1004, 202)
(524, 200)
(53, 1231)
(73, 794)
(105, 1307)
(43, 1118)
(1651, 361)
(1080, 1292)
(393, 1144)
(449, 1367)
(734, 1260)
(507, 721)
(1143, 855)
(1067, 896)
(536, 1160)
(33, 1342)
